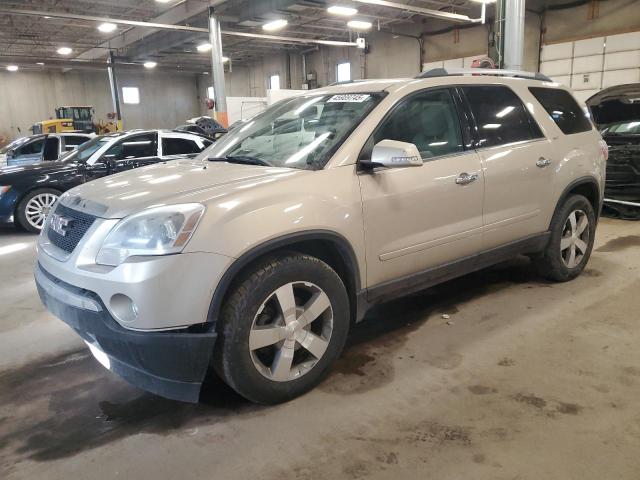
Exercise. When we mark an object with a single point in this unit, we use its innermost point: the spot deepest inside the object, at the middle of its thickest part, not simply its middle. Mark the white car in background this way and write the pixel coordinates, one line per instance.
(42, 147)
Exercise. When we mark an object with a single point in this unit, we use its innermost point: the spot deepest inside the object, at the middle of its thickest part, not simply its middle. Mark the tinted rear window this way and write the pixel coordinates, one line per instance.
(563, 109)
(500, 115)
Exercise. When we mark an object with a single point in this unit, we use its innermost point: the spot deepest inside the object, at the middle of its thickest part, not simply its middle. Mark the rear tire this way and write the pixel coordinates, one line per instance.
(34, 207)
(281, 328)
(573, 229)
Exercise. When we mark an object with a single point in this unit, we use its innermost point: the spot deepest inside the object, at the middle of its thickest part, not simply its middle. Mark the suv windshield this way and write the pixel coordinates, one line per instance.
(302, 132)
(84, 151)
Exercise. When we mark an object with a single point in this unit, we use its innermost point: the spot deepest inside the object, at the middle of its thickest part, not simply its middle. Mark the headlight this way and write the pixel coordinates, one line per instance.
(156, 231)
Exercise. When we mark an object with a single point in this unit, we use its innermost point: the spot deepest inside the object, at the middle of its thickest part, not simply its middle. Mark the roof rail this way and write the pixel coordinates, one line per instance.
(445, 72)
(346, 82)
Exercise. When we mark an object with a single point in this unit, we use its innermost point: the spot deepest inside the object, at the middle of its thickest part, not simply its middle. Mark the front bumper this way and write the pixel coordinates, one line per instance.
(172, 364)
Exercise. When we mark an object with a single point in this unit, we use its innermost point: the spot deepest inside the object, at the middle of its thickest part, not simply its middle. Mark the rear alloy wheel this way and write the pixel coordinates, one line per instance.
(575, 239)
(34, 208)
(281, 327)
(571, 241)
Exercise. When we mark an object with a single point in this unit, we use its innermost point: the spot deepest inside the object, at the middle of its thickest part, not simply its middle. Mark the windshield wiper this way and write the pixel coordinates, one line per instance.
(241, 159)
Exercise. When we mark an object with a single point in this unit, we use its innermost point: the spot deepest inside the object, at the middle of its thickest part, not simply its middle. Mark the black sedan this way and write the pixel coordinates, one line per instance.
(28, 192)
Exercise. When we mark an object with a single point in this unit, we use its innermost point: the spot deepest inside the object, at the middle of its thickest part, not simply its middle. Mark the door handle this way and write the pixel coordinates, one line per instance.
(466, 178)
(543, 162)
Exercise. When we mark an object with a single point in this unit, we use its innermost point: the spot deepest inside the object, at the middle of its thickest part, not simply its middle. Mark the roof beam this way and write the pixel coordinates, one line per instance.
(427, 12)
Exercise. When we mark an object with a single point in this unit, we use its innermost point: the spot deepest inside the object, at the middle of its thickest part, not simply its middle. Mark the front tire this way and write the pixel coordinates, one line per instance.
(573, 229)
(281, 328)
(34, 207)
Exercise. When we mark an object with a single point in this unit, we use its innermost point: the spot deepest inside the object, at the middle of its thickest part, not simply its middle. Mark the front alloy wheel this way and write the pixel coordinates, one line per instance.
(291, 331)
(281, 327)
(38, 207)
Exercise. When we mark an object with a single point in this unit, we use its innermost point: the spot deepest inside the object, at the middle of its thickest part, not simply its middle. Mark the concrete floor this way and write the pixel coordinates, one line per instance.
(525, 380)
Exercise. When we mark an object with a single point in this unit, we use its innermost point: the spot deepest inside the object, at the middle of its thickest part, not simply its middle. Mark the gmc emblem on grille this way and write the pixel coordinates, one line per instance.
(59, 224)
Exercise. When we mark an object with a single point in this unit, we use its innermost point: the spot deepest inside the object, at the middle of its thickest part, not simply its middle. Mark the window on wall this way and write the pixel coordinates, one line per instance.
(343, 72)
(130, 95)
(210, 93)
(274, 82)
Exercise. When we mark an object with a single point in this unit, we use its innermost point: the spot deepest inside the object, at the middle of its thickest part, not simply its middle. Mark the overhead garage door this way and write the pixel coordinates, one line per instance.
(590, 65)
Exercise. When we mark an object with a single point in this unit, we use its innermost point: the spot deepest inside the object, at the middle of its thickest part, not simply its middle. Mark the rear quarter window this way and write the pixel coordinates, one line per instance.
(563, 109)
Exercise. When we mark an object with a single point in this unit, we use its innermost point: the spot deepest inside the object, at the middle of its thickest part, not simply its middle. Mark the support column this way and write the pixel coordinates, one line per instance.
(217, 69)
(115, 98)
(514, 34)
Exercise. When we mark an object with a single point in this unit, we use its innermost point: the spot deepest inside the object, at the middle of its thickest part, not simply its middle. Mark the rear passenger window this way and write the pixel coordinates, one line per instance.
(500, 115)
(179, 146)
(563, 109)
(427, 119)
(73, 141)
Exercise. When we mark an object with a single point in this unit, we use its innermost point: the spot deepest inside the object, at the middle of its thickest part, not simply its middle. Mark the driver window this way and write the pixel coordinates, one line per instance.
(428, 119)
(138, 146)
(31, 148)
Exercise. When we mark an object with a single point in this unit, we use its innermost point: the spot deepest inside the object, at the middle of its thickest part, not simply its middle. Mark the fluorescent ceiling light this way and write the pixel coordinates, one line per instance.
(107, 27)
(344, 11)
(39, 63)
(150, 64)
(12, 68)
(484, 1)
(64, 50)
(225, 59)
(204, 47)
(359, 24)
(275, 25)
(163, 1)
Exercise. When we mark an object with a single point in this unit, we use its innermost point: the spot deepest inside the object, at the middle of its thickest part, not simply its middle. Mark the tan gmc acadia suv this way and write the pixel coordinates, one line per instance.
(257, 256)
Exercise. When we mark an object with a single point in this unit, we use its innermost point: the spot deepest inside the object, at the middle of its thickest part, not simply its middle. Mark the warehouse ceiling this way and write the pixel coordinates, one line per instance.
(28, 39)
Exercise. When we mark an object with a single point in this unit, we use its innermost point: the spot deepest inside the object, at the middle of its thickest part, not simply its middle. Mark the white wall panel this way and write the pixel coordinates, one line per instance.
(590, 46)
(592, 63)
(431, 65)
(562, 79)
(586, 81)
(454, 63)
(622, 60)
(556, 67)
(619, 77)
(624, 41)
(556, 51)
(583, 95)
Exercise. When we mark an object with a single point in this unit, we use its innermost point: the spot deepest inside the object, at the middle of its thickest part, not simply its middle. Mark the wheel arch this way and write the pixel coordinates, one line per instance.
(585, 186)
(330, 247)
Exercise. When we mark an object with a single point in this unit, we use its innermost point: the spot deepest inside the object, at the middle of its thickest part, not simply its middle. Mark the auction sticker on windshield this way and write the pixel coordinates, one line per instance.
(349, 97)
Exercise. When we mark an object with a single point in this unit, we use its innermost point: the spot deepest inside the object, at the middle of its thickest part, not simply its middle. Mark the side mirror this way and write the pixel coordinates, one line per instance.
(393, 154)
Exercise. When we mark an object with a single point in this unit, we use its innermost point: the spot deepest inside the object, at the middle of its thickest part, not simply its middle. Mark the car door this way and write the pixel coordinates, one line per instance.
(133, 151)
(416, 218)
(173, 146)
(28, 153)
(517, 161)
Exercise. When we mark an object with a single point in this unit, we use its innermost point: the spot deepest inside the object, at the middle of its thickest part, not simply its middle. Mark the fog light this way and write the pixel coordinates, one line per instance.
(123, 308)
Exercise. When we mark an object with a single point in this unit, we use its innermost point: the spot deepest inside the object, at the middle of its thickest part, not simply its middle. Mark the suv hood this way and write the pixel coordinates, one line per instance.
(615, 104)
(178, 181)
